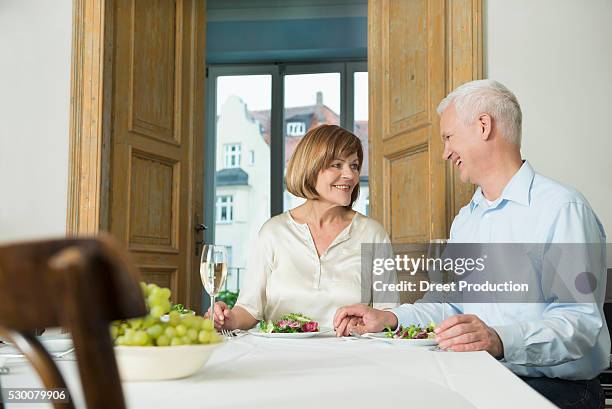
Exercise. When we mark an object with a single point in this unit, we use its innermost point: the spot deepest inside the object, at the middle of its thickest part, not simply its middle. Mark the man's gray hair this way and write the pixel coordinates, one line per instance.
(487, 97)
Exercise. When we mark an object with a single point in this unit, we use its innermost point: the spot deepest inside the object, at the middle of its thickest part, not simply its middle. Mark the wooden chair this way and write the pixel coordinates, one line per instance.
(81, 285)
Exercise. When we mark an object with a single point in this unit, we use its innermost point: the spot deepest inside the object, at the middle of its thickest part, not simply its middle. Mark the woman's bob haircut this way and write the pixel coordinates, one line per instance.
(315, 152)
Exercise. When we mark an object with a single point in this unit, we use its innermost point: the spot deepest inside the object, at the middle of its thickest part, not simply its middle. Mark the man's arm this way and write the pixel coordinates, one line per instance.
(569, 329)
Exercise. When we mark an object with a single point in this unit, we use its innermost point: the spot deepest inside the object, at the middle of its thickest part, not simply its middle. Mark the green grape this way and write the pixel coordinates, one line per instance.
(156, 298)
(214, 337)
(165, 305)
(141, 338)
(136, 323)
(170, 332)
(152, 287)
(162, 341)
(193, 321)
(174, 318)
(181, 330)
(208, 325)
(149, 321)
(204, 337)
(129, 338)
(192, 334)
(157, 311)
(166, 292)
(151, 331)
(155, 331)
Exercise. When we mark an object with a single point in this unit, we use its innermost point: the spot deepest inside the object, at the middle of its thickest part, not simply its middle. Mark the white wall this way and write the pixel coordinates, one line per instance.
(35, 48)
(556, 55)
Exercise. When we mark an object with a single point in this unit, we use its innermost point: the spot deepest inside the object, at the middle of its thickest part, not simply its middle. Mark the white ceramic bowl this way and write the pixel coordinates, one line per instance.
(160, 363)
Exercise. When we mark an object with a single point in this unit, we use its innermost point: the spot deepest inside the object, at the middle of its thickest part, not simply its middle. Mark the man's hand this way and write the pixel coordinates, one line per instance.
(466, 332)
(361, 319)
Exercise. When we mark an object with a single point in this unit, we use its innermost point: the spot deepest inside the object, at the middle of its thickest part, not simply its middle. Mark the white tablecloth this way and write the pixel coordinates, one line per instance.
(323, 372)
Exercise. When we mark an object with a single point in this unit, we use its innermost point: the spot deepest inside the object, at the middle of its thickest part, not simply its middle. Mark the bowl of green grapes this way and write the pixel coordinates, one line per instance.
(164, 344)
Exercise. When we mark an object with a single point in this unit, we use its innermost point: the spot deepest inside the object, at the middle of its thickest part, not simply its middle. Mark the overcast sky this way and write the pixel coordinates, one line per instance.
(300, 90)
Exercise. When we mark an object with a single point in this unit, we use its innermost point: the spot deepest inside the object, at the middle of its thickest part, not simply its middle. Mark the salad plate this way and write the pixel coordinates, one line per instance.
(402, 341)
(414, 335)
(293, 325)
(259, 333)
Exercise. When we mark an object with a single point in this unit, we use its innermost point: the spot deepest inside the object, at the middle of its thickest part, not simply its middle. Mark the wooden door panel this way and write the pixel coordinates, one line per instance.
(413, 191)
(154, 203)
(156, 136)
(407, 199)
(405, 57)
(154, 69)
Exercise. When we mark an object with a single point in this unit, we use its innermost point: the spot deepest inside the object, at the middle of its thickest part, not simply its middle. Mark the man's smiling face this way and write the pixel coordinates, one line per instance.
(462, 145)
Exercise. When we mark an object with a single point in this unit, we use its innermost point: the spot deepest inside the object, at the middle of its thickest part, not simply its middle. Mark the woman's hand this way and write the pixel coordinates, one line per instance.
(360, 318)
(222, 315)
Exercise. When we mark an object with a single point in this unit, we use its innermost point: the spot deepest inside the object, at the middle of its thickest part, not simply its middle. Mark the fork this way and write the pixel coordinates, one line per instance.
(229, 334)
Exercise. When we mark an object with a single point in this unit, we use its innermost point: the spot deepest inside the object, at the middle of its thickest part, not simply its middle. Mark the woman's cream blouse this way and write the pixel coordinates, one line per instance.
(285, 274)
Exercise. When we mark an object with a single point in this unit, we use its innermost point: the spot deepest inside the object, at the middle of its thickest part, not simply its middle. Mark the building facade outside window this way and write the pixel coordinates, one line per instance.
(225, 209)
(232, 155)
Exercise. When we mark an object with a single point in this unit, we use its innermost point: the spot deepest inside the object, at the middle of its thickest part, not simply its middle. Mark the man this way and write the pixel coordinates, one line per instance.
(557, 349)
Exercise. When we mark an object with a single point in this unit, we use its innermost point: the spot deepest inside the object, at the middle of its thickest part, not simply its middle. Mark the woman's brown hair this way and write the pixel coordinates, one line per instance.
(315, 152)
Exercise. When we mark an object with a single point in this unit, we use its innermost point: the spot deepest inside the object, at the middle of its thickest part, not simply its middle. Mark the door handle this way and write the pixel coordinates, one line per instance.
(199, 227)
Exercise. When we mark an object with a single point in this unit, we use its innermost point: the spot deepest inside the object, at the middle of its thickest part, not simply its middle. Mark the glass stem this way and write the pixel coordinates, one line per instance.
(212, 307)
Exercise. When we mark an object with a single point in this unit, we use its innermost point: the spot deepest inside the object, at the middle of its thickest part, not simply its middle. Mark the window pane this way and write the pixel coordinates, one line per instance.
(360, 127)
(310, 100)
(242, 186)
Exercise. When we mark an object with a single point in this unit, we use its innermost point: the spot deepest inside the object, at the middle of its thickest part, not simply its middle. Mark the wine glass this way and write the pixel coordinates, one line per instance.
(435, 251)
(213, 271)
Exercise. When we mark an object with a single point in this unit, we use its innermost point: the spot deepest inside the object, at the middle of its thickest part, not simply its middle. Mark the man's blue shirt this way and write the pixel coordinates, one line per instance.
(564, 340)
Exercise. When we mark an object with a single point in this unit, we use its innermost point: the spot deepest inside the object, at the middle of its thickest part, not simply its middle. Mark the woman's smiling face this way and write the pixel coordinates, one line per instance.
(335, 183)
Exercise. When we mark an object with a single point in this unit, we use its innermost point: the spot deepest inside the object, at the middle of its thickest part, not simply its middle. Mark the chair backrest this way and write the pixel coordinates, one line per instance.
(81, 285)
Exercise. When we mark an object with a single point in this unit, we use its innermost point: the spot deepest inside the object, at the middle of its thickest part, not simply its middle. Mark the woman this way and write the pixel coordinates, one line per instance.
(308, 260)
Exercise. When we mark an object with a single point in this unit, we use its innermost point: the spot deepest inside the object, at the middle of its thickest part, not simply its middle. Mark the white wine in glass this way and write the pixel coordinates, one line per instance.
(435, 251)
(213, 270)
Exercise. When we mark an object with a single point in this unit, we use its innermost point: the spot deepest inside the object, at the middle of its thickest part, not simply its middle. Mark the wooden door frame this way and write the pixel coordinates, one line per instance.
(91, 94)
(90, 117)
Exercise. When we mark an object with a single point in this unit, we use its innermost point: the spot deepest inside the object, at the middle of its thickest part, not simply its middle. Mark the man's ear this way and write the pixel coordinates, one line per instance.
(484, 123)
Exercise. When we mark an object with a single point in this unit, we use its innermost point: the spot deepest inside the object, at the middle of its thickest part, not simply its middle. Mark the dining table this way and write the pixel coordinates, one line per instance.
(250, 371)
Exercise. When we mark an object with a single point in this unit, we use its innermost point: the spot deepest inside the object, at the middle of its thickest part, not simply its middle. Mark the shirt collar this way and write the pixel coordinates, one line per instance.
(517, 190)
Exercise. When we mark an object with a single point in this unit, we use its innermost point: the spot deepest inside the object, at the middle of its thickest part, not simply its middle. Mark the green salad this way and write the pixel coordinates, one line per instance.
(289, 323)
(413, 331)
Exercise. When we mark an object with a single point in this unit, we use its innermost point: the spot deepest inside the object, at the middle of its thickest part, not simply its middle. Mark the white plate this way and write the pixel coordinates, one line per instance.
(56, 343)
(258, 333)
(413, 342)
(52, 343)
